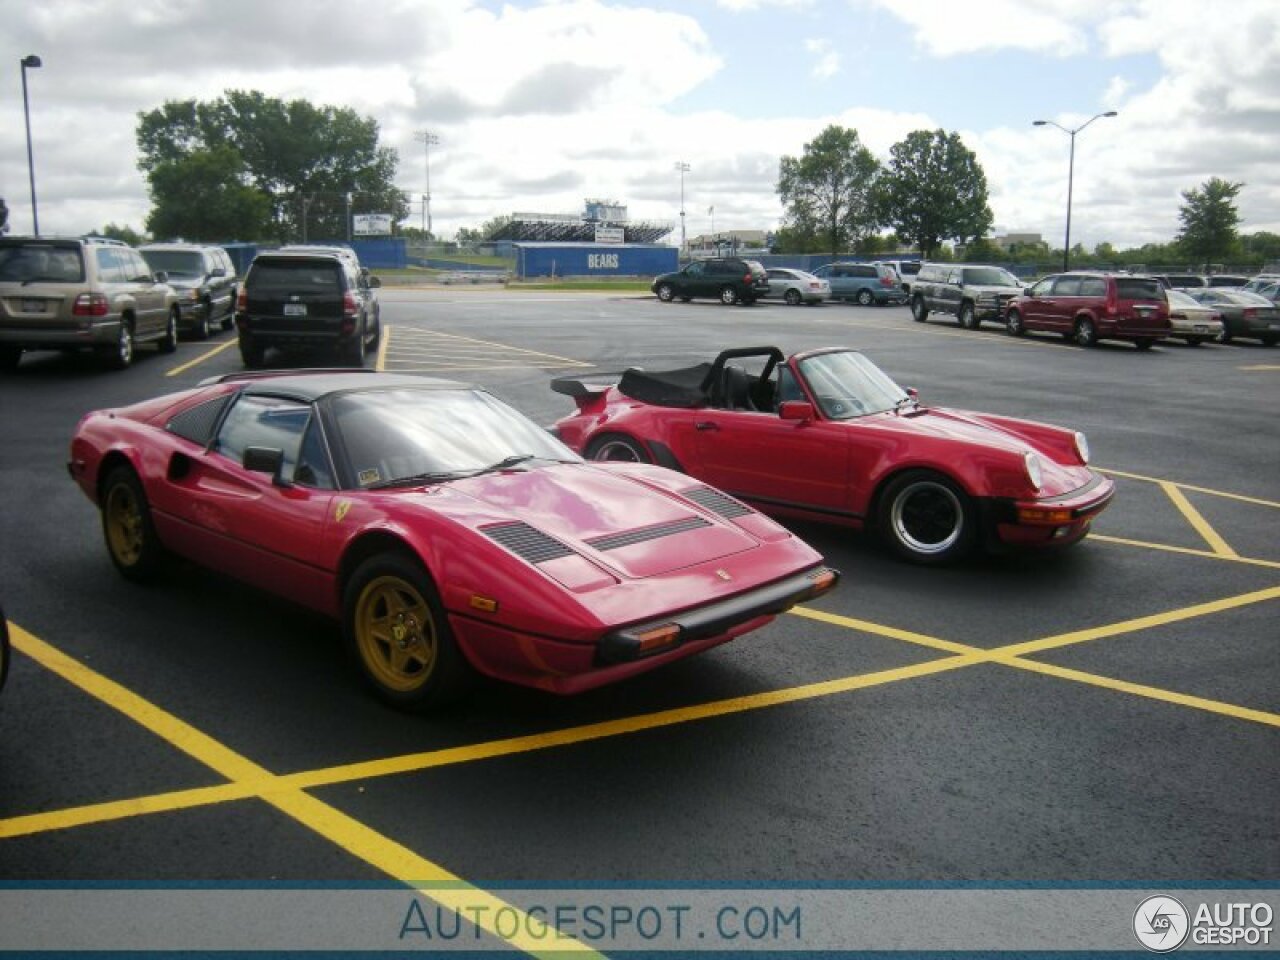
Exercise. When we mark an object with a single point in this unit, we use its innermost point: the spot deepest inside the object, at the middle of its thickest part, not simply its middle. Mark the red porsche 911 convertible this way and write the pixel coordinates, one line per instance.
(827, 435)
(445, 530)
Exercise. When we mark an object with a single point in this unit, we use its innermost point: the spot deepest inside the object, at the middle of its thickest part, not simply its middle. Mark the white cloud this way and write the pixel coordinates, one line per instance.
(826, 62)
(945, 28)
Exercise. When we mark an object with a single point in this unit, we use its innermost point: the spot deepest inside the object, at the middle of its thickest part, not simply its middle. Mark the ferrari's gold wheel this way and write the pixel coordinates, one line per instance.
(123, 516)
(396, 634)
(399, 634)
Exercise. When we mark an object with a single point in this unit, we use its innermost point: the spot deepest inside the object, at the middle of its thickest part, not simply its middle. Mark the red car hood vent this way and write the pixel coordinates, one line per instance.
(592, 510)
(526, 542)
(716, 502)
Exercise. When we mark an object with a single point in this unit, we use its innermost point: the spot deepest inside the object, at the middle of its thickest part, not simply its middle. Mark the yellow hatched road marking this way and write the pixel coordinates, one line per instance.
(421, 335)
(1185, 551)
(1188, 486)
(1197, 520)
(335, 826)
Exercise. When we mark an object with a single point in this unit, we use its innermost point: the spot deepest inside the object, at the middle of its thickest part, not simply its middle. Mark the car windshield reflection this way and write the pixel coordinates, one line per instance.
(390, 435)
(846, 384)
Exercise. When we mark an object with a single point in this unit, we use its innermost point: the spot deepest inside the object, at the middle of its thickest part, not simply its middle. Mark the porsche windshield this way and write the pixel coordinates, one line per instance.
(846, 384)
(389, 435)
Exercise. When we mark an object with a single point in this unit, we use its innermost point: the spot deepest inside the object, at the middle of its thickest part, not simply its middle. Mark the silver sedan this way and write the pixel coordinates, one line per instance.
(797, 286)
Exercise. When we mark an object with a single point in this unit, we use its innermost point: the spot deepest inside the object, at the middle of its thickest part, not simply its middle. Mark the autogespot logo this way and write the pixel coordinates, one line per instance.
(1161, 923)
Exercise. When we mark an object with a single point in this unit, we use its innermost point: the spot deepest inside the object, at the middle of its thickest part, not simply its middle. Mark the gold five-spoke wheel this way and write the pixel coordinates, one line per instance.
(396, 634)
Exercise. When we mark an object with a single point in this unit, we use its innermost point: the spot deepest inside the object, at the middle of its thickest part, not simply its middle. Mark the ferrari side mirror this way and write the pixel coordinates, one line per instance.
(265, 460)
(800, 410)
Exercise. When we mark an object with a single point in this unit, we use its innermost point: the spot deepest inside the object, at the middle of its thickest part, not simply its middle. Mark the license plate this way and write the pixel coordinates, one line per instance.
(33, 306)
(295, 309)
(1201, 328)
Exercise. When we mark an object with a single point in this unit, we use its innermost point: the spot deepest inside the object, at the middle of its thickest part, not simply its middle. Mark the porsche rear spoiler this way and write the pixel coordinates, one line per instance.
(578, 387)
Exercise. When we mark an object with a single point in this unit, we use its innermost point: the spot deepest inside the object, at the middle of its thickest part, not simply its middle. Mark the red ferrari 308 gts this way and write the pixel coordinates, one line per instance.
(445, 530)
(827, 435)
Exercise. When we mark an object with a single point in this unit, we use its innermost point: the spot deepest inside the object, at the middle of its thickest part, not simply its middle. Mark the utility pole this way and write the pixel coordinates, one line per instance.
(428, 140)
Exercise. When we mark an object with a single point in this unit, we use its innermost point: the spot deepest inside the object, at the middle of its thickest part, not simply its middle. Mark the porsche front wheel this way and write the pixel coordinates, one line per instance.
(617, 448)
(127, 528)
(926, 518)
(397, 631)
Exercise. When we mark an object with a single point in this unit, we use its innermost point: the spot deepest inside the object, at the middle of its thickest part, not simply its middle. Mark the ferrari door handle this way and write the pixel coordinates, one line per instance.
(706, 425)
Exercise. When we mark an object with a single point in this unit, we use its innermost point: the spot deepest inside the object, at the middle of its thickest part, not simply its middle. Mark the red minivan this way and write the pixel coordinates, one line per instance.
(1088, 307)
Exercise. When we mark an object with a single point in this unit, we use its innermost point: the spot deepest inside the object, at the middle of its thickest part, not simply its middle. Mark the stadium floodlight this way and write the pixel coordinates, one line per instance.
(428, 140)
(683, 168)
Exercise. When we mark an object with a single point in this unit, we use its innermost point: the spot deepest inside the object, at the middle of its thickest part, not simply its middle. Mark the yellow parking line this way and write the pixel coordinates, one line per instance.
(1197, 520)
(501, 346)
(335, 826)
(1187, 486)
(92, 813)
(202, 358)
(381, 363)
(1260, 366)
(1185, 551)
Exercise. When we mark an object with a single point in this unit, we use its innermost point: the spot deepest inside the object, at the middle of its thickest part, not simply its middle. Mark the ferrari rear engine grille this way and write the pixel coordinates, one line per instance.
(526, 542)
(614, 541)
(716, 502)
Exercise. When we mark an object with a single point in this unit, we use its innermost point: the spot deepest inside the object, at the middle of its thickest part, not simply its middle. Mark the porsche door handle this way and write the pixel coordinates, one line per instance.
(706, 425)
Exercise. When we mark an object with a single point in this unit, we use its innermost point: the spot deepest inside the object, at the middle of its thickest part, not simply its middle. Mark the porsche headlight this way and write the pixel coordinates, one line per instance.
(1034, 473)
(1082, 447)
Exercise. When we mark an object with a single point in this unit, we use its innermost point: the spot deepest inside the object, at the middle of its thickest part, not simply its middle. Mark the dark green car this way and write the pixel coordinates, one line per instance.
(728, 279)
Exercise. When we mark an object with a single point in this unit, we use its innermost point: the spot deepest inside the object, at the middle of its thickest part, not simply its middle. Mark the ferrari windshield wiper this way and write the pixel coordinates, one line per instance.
(443, 476)
(415, 480)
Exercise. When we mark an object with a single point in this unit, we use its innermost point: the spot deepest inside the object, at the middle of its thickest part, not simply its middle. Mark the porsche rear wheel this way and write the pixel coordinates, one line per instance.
(926, 518)
(617, 448)
(397, 631)
(127, 528)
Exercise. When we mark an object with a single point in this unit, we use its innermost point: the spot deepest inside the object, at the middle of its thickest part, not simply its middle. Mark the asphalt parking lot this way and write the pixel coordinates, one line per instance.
(1108, 714)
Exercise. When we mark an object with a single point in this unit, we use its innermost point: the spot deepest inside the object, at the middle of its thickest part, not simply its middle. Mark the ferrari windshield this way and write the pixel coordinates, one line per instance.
(846, 384)
(390, 435)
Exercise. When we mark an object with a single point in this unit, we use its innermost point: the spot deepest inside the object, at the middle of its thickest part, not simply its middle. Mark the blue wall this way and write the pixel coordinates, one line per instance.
(594, 259)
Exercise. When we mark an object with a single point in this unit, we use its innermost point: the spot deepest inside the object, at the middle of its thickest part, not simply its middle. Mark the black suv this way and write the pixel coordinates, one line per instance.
(728, 279)
(307, 300)
(204, 278)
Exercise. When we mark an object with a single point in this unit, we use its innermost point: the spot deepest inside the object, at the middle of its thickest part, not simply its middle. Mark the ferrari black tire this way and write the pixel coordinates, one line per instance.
(396, 629)
(169, 342)
(666, 292)
(864, 298)
(1013, 324)
(728, 295)
(926, 519)
(616, 447)
(792, 297)
(131, 538)
(919, 312)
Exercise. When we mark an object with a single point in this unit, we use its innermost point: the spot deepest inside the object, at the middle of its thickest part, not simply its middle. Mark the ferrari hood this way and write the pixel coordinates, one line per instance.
(617, 520)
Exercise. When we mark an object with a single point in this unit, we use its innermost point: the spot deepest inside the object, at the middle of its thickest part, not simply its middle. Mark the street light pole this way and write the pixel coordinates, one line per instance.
(30, 62)
(428, 140)
(1071, 171)
(684, 240)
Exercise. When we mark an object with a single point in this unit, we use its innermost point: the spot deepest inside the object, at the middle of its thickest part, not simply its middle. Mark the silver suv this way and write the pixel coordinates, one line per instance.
(969, 292)
(83, 292)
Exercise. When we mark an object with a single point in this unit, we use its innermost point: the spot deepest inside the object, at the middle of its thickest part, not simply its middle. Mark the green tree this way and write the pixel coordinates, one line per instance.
(935, 190)
(203, 197)
(313, 165)
(123, 233)
(1209, 220)
(827, 193)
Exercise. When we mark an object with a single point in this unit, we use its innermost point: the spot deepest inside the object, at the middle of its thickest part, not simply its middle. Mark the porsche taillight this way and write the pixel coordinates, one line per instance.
(90, 305)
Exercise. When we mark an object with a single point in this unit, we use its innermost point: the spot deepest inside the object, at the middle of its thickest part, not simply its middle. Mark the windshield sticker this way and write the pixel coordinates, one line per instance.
(369, 476)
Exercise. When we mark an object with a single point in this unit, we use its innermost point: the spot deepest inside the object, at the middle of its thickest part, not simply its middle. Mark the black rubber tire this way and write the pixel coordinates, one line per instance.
(10, 357)
(252, 353)
(919, 312)
(351, 352)
(968, 317)
(395, 589)
(169, 342)
(728, 295)
(1269, 341)
(618, 448)
(926, 519)
(666, 293)
(1145, 343)
(119, 356)
(130, 535)
(792, 297)
(864, 298)
(1193, 341)
(1013, 324)
(203, 330)
(1084, 333)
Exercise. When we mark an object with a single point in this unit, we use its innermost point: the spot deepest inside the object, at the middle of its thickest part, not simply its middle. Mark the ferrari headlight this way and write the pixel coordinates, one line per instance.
(1034, 473)
(1082, 447)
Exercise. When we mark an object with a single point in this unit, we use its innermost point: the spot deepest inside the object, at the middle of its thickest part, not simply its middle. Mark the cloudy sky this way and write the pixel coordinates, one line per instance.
(540, 105)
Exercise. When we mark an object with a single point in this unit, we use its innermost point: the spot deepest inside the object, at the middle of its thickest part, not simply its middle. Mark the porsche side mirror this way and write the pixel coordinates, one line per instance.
(800, 410)
(265, 460)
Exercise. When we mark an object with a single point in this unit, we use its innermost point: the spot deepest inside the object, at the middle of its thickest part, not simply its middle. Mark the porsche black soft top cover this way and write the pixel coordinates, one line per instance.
(667, 388)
